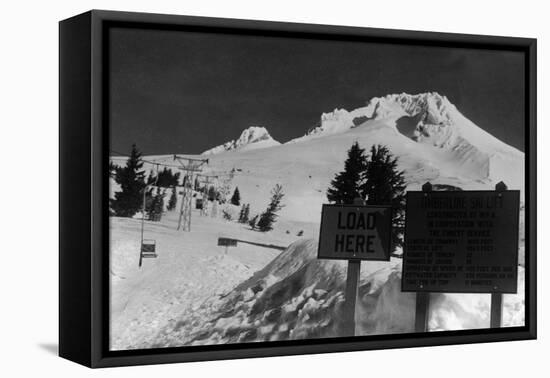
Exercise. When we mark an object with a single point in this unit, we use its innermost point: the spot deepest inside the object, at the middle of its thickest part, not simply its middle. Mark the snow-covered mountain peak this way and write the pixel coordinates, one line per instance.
(434, 108)
(429, 108)
(251, 138)
(427, 118)
(252, 135)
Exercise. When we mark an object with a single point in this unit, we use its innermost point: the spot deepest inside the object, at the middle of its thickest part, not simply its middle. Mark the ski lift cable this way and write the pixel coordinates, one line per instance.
(154, 161)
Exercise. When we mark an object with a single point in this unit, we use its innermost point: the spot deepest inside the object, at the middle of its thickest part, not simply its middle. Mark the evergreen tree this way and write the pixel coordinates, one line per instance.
(252, 222)
(267, 218)
(245, 212)
(212, 194)
(241, 213)
(236, 198)
(227, 215)
(346, 185)
(159, 205)
(175, 179)
(173, 200)
(155, 205)
(384, 184)
(128, 201)
(112, 169)
(166, 178)
(151, 178)
(149, 203)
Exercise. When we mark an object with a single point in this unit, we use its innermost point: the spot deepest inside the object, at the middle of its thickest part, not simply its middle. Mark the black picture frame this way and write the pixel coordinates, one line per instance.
(83, 154)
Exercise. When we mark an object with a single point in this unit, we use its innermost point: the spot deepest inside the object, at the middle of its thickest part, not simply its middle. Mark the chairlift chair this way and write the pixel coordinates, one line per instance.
(148, 248)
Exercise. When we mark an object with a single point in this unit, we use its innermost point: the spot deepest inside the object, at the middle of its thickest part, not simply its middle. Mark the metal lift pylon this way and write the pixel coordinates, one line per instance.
(189, 166)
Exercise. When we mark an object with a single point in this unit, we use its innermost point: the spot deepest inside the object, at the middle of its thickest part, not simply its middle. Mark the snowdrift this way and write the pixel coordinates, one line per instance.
(297, 296)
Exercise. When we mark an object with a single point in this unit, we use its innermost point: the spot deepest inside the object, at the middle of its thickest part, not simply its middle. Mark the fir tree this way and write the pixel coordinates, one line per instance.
(173, 200)
(268, 217)
(252, 222)
(149, 202)
(212, 194)
(159, 208)
(227, 215)
(236, 198)
(241, 213)
(245, 212)
(155, 205)
(128, 201)
(346, 185)
(384, 184)
(112, 169)
(151, 178)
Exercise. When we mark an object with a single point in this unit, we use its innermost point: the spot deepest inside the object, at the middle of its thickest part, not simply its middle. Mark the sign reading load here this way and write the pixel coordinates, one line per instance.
(355, 232)
(461, 242)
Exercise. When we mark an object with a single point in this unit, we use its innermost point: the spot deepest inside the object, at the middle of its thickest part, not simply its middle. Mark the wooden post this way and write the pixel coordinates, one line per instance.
(143, 224)
(352, 283)
(422, 311)
(496, 310)
(496, 298)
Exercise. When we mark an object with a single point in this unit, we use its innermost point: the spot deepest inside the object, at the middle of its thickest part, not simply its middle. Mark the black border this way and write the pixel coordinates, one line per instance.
(459, 192)
(92, 272)
(388, 247)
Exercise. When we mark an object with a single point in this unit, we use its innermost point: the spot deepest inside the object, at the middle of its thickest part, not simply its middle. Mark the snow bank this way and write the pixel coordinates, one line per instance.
(297, 296)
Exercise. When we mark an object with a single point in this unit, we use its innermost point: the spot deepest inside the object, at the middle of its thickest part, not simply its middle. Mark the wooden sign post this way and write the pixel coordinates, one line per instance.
(496, 298)
(354, 233)
(496, 310)
(422, 310)
(461, 242)
(352, 283)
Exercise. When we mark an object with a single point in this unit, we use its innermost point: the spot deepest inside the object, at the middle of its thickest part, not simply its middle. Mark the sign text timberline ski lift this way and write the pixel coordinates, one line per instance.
(355, 232)
(461, 242)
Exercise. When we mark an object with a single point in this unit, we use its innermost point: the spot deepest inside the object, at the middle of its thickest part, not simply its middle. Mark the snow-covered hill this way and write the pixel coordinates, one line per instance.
(432, 139)
(252, 138)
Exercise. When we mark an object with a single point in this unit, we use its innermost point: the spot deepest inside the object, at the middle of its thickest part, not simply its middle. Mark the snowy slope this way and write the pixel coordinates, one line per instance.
(432, 139)
(251, 138)
(297, 296)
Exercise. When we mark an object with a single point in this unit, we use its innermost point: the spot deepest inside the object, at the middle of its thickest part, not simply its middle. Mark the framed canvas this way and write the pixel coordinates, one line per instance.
(234, 188)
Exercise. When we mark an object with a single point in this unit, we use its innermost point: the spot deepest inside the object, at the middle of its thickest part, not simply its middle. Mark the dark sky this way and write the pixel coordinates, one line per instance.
(181, 92)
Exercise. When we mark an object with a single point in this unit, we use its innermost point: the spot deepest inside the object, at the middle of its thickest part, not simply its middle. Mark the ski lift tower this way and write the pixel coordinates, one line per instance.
(189, 166)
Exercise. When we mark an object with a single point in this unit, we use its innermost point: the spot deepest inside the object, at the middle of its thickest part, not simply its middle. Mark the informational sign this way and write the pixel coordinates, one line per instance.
(461, 242)
(355, 232)
(227, 242)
